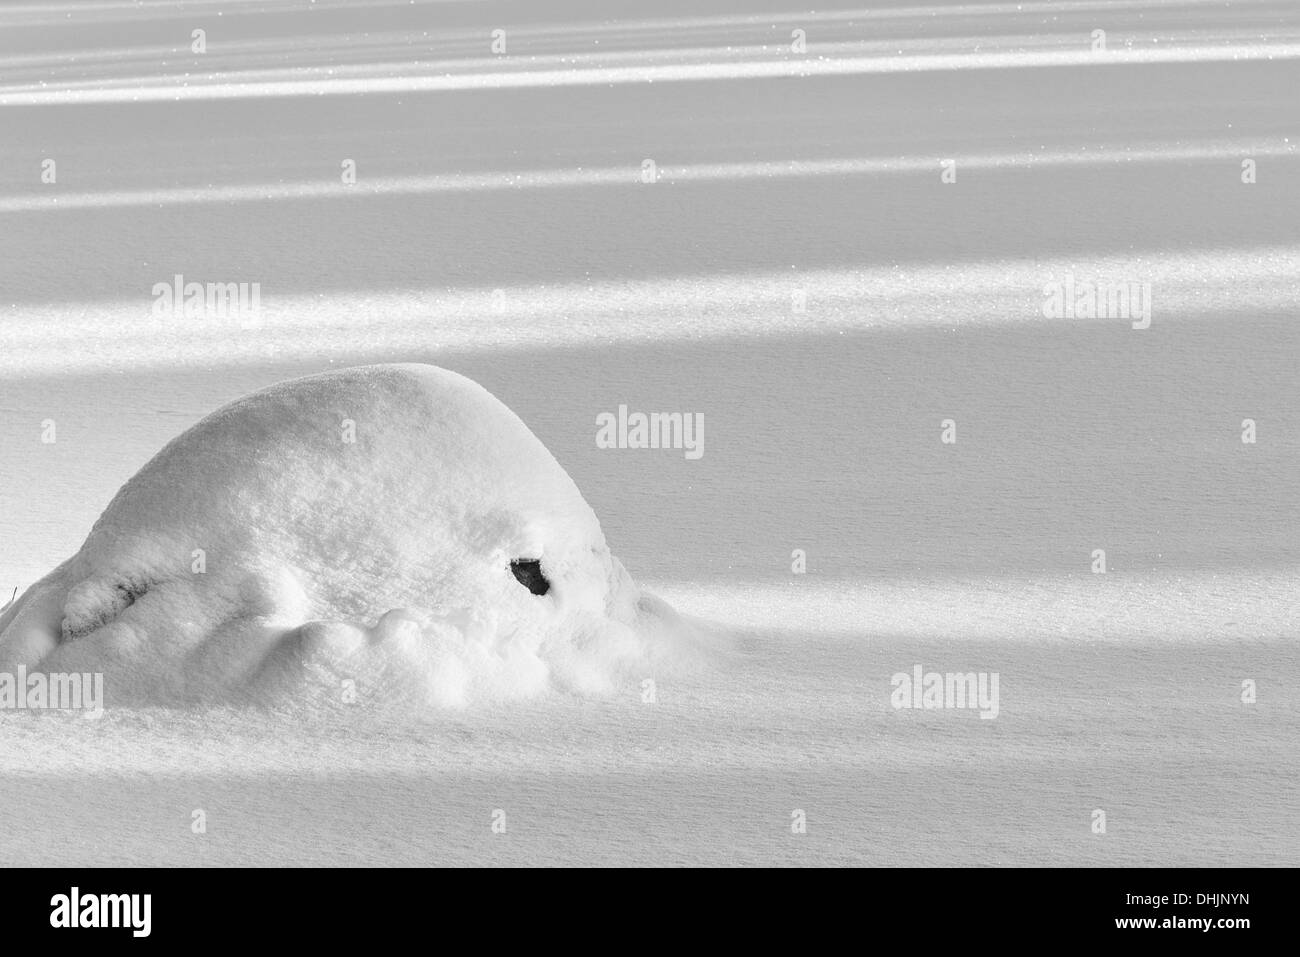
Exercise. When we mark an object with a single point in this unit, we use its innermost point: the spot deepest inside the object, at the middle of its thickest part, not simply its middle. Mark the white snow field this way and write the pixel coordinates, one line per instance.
(793, 267)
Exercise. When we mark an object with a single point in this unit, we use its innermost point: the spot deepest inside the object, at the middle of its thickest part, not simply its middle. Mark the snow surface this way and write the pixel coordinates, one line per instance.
(504, 232)
(353, 526)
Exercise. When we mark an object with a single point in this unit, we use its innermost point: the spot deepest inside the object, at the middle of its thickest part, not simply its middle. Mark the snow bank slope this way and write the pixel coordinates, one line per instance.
(351, 533)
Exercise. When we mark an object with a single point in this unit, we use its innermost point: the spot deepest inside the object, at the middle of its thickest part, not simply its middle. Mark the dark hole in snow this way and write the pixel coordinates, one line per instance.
(529, 573)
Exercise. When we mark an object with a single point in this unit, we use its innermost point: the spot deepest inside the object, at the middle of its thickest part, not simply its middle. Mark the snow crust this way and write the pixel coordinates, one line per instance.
(344, 537)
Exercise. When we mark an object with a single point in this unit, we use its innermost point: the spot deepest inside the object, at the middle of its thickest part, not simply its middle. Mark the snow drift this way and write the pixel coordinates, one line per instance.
(382, 536)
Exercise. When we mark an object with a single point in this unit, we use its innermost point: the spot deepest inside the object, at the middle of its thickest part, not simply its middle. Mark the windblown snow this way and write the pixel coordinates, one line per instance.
(385, 535)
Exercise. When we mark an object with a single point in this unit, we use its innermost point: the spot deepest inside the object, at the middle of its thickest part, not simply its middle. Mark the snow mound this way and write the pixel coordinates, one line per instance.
(381, 535)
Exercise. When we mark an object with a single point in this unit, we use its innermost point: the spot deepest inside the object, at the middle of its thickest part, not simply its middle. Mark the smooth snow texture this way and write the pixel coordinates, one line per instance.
(345, 535)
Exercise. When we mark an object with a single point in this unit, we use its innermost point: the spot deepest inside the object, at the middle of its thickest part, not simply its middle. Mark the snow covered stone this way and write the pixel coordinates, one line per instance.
(386, 531)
